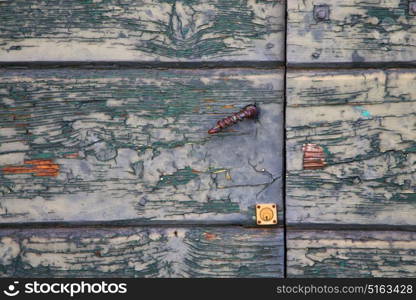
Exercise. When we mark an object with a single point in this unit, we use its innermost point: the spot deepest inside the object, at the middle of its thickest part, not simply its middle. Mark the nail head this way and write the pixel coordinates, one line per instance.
(321, 12)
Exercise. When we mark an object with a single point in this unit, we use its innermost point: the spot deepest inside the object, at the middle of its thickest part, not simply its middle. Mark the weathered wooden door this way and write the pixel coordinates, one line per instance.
(105, 108)
(349, 95)
(107, 169)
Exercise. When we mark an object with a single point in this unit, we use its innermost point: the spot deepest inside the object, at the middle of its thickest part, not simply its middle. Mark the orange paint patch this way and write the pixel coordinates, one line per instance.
(209, 100)
(313, 157)
(40, 167)
(209, 236)
(228, 106)
(21, 125)
(71, 155)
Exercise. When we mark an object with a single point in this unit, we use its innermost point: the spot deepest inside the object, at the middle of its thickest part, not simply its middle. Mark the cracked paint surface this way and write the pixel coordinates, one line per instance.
(40, 167)
(357, 31)
(132, 145)
(142, 252)
(145, 30)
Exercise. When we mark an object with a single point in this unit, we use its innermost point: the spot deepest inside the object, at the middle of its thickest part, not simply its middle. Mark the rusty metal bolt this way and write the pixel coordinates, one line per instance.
(321, 13)
(412, 8)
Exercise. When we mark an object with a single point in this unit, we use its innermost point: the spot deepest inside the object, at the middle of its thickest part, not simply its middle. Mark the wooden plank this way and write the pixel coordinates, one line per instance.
(351, 254)
(364, 122)
(145, 252)
(381, 31)
(111, 145)
(145, 30)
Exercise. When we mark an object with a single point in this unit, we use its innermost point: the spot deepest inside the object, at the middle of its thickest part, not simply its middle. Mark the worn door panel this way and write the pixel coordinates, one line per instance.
(354, 253)
(359, 128)
(142, 31)
(142, 252)
(351, 32)
(132, 145)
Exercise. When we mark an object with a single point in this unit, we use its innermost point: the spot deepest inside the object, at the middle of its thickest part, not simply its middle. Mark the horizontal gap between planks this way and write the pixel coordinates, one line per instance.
(126, 224)
(352, 65)
(141, 65)
(349, 227)
(204, 65)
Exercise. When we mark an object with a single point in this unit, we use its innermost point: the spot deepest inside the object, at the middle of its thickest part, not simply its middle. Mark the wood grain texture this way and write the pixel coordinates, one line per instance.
(351, 254)
(133, 145)
(357, 31)
(145, 252)
(365, 122)
(145, 30)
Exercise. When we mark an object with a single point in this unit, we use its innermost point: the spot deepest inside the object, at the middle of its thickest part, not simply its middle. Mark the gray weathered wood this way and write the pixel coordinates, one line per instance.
(365, 122)
(106, 145)
(351, 254)
(357, 31)
(144, 252)
(145, 30)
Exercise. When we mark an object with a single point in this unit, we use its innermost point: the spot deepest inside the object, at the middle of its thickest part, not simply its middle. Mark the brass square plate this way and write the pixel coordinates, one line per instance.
(266, 214)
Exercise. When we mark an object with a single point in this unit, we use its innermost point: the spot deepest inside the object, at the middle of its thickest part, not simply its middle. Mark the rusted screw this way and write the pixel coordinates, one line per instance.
(249, 112)
(412, 8)
(321, 13)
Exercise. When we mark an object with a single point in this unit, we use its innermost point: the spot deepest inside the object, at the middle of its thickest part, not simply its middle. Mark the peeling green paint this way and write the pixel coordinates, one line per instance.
(135, 141)
(368, 143)
(181, 176)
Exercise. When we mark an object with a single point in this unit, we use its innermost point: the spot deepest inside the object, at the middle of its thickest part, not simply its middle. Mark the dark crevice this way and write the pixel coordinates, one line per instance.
(141, 65)
(347, 227)
(284, 149)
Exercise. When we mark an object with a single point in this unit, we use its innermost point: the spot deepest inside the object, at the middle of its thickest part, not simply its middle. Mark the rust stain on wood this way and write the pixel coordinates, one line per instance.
(210, 236)
(71, 155)
(313, 157)
(21, 125)
(40, 167)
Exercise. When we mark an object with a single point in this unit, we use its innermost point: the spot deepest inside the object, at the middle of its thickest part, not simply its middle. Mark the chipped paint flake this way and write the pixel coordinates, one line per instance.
(45, 167)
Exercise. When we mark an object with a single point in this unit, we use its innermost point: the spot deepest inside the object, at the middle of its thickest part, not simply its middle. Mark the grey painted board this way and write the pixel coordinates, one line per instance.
(364, 121)
(142, 31)
(142, 252)
(355, 31)
(132, 145)
(351, 253)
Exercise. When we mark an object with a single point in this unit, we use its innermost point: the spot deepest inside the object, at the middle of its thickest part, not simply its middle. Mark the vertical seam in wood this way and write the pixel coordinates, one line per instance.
(284, 145)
